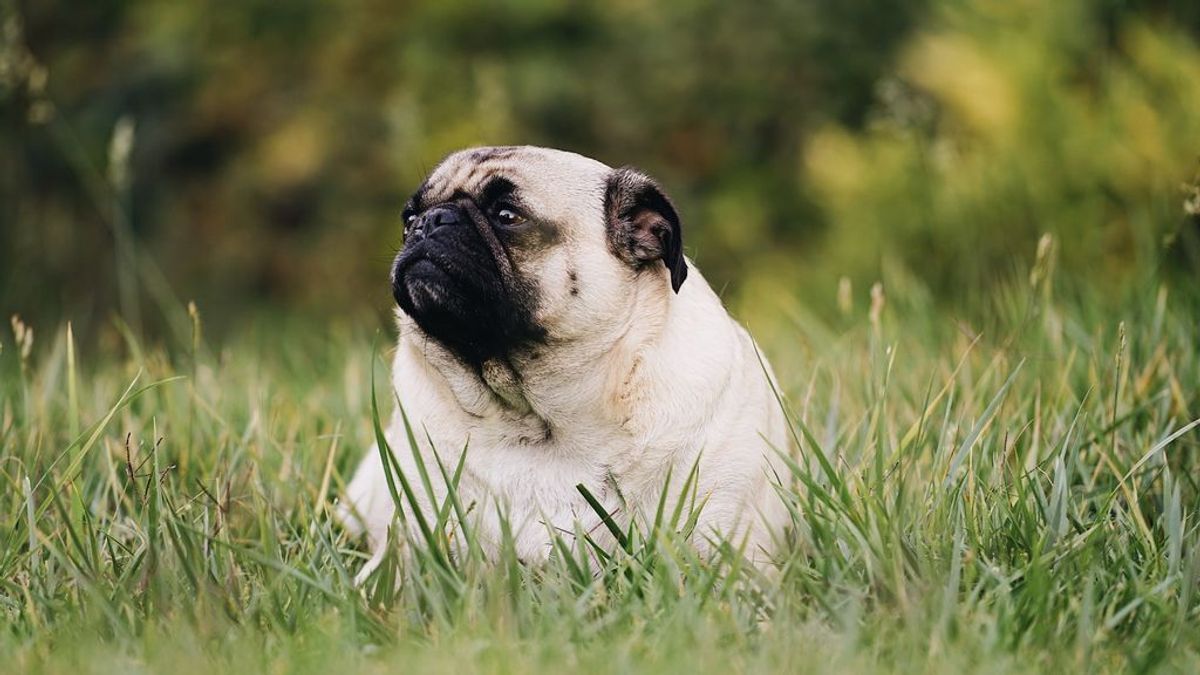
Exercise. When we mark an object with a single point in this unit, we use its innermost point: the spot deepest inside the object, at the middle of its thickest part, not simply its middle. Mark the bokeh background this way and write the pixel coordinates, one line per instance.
(254, 156)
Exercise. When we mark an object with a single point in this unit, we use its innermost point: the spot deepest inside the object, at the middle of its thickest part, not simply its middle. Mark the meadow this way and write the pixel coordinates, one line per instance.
(995, 463)
(1009, 485)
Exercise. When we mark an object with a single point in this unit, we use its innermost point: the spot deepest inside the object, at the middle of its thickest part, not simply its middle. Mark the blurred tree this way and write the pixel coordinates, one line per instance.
(1005, 121)
(274, 143)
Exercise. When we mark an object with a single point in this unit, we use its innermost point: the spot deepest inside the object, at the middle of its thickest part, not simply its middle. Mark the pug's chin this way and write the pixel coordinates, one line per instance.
(429, 288)
(444, 308)
(462, 305)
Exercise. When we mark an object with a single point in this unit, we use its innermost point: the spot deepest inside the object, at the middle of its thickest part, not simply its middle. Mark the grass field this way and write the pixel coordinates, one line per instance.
(1007, 488)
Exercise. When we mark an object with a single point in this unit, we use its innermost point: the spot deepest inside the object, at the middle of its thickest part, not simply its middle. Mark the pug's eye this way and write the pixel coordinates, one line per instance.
(509, 217)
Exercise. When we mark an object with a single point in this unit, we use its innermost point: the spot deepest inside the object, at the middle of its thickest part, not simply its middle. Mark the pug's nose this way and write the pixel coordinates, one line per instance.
(433, 219)
(439, 216)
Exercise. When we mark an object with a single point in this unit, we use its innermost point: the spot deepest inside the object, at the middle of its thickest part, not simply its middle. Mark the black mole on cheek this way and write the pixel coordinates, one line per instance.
(574, 279)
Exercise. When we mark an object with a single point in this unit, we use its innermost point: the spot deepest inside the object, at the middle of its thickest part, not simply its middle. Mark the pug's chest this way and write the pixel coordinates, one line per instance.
(544, 473)
(539, 489)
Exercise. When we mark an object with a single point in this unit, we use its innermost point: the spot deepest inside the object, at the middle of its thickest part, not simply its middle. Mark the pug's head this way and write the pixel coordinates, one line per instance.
(508, 248)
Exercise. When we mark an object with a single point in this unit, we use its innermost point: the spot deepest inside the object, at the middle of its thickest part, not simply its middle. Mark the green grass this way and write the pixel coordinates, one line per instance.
(1010, 487)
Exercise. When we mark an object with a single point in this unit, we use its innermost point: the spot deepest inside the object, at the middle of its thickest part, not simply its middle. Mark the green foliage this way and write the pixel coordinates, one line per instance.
(262, 153)
(281, 140)
(1008, 120)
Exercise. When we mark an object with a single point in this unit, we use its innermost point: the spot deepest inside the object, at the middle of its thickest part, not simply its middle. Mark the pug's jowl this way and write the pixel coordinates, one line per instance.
(552, 329)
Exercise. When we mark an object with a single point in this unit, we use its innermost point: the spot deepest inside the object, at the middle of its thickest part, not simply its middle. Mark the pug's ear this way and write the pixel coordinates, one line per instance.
(643, 226)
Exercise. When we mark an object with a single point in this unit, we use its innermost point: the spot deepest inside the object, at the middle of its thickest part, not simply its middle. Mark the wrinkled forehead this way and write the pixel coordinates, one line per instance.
(540, 178)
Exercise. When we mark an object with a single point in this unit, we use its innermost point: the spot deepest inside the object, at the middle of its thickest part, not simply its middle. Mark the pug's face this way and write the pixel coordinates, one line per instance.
(508, 248)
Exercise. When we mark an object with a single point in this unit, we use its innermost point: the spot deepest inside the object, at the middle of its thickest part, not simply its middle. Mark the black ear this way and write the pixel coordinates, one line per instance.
(643, 227)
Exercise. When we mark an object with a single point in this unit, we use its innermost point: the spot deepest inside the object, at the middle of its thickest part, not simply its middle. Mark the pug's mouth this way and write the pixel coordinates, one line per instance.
(432, 273)
(452, 288)
(428, 285)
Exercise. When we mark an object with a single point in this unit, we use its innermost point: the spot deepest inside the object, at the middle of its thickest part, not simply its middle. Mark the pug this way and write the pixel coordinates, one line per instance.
(555, 340)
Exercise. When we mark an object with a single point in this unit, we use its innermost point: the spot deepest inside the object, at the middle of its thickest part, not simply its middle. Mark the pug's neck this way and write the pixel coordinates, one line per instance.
(580, 385)
(499, 375)
(548, 392)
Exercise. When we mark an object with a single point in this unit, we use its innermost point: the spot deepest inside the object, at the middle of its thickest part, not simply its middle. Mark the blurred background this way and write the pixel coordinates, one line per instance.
(254, 156)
